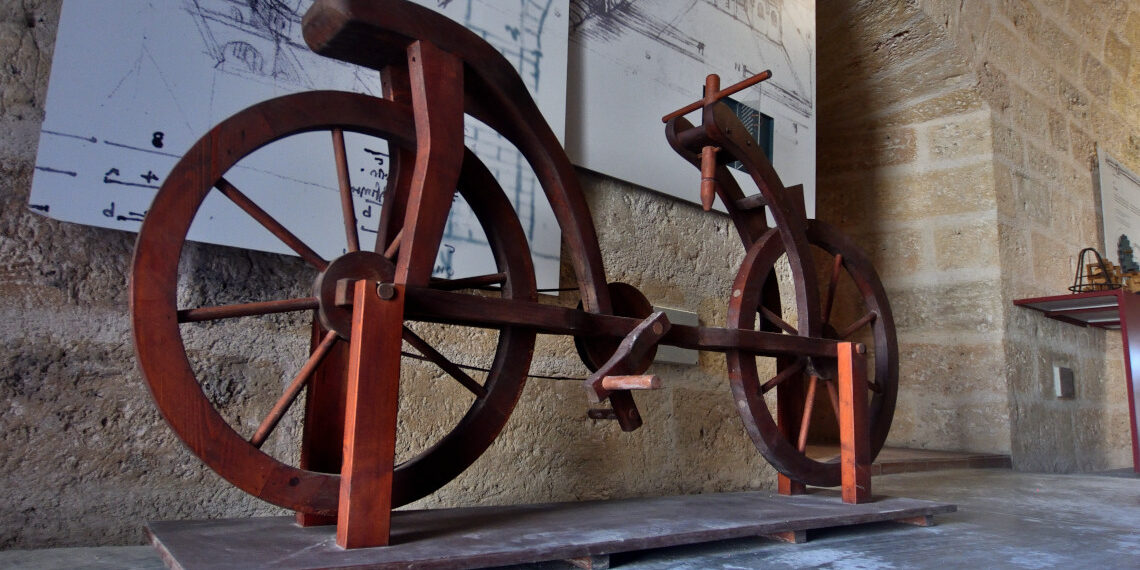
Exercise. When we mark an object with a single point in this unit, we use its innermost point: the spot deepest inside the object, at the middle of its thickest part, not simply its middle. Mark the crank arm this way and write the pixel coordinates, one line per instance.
(425, 304)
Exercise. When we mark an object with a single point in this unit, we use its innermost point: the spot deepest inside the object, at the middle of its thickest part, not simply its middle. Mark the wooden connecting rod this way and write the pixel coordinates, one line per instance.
(717, 94)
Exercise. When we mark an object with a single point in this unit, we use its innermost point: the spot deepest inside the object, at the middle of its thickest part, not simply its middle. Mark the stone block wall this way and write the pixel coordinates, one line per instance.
(957, 142)
(1059, 78)
(906, 167)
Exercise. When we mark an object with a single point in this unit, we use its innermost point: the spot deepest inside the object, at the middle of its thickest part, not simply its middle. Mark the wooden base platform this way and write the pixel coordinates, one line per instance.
(491, 536)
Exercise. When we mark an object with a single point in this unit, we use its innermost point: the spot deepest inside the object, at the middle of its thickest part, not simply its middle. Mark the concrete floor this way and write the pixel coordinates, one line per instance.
(1004, 520)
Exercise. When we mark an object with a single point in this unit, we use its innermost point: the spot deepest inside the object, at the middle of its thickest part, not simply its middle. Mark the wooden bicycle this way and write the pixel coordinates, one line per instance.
(368, 302)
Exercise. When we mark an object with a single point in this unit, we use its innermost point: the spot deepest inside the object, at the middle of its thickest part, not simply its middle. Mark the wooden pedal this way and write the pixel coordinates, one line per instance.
(632, 382)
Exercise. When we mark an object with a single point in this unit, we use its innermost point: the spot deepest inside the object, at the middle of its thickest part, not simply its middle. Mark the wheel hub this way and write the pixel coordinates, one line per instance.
(355, 266)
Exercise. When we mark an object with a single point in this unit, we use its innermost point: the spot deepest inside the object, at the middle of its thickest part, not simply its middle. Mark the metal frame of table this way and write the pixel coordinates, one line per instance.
(1115, 309)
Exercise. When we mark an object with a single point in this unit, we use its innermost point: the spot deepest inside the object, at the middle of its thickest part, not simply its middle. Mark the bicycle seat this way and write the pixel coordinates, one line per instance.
(376, 34)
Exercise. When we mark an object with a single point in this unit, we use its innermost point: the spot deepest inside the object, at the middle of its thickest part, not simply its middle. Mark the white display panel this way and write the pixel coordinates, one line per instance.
(633, 62)
(1120, 204)
(135, 83)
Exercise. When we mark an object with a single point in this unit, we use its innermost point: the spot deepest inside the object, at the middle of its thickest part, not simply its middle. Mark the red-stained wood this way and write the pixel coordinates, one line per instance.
(432, 355)
(858, 324)
(293, 390)
(322, 435)
(854, 438)
(789, 487)
(788, 382)
(437, 103)
(475, 282)
(429, 304)
(628, 359)
(832, 284)
(771, 429)
(246, 309)
(776, 320)
(632, 382)
(708, 153)
(270, 223)
(805, 417)
(1129, 306)
(746, 214)
(434, 71)
(348, 211)
(394, 203)
(155, 276)
(715, 93)
(394, 245)
(708, 176)
(786, 372)
(376, 34)
(371, 405)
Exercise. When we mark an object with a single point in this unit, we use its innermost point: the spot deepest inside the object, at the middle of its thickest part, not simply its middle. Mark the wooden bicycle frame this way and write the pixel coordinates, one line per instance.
(418, 54)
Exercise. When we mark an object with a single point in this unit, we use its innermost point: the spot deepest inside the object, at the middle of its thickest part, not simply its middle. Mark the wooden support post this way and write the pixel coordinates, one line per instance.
(854, 432)
(322, 438)
(365, 508)
(788, 486)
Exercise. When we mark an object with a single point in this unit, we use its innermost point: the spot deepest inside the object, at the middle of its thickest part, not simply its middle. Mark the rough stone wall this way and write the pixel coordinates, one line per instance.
(958, 143)
(905, 166)
(87, 459)
(1059, 77)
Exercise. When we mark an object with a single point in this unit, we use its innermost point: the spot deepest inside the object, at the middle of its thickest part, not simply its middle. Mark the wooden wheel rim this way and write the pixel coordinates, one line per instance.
(746, 384)
(157, 336)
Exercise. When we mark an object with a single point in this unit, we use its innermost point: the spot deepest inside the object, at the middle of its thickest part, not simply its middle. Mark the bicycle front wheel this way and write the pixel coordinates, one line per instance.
(222, 398)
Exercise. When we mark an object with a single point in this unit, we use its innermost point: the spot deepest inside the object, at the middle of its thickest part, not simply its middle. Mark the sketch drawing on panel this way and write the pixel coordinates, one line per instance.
(252, 37)
(167, 71)
(623, 49)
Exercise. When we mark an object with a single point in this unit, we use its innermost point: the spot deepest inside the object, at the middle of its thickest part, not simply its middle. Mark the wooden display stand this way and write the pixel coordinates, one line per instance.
(477, 537)
(1115, 309)
(584, 533)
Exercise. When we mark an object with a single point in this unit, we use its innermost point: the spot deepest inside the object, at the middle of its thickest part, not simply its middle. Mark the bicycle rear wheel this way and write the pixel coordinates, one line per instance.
(855, 307)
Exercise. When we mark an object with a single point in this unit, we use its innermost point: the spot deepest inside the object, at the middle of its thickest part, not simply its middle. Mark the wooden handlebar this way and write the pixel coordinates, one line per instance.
(714, 96)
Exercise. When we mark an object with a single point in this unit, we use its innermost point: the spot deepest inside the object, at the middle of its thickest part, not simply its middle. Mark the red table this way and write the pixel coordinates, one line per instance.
(1114, 309)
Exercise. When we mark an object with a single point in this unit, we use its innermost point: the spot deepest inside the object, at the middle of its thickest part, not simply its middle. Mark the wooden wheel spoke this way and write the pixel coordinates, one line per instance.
(394, 247)
(345, 190)
(783, 375)
(855, 326)
(246, 309)
(292, 241)
(805, 419)
(468, 282)
(833, 396)
(776, 320)
(836, 267)
(292, 391)
(441, 361)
